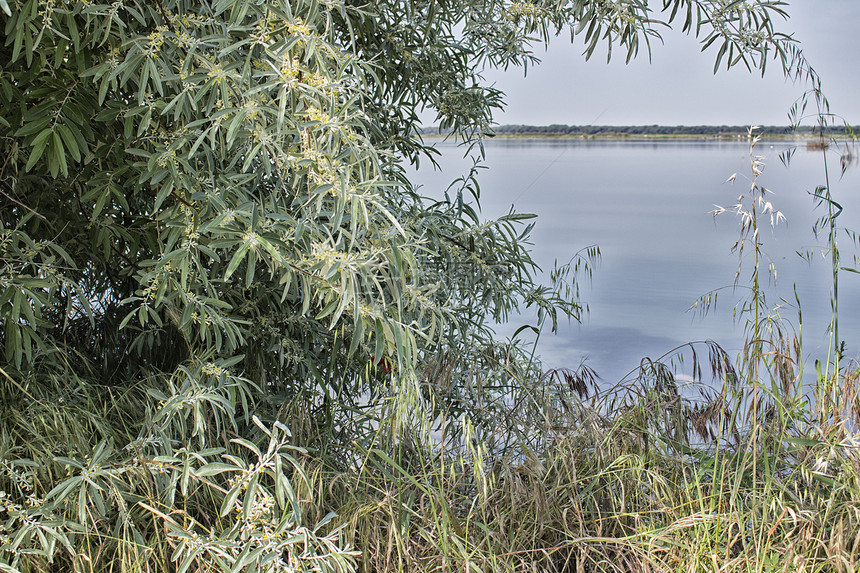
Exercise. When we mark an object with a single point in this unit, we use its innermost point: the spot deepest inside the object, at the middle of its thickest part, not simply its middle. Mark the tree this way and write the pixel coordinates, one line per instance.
(206, 223)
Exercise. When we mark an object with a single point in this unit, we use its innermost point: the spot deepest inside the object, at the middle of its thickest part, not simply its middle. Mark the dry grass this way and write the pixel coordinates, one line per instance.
(619, 490)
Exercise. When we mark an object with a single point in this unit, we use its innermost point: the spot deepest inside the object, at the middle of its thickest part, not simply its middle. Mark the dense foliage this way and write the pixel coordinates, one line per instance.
(217, 284)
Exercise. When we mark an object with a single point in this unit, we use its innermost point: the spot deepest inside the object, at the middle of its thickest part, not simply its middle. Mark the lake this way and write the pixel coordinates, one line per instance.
(646, 205)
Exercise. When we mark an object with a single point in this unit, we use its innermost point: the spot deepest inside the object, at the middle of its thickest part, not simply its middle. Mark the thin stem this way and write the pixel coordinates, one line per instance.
(756, 287)
(834, 262)
(828, 390)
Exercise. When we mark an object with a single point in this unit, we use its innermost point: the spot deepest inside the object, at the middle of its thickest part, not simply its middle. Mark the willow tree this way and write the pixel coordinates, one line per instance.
(206, 234)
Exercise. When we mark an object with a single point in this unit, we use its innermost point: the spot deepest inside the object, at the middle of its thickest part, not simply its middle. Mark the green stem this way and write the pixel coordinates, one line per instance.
(829, 380)
(834, 262)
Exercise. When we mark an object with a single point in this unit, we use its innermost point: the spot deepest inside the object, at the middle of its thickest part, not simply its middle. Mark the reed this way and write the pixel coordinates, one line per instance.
(636, 478)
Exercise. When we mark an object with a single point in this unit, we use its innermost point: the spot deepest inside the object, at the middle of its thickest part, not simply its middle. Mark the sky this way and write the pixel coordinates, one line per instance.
(678, 87)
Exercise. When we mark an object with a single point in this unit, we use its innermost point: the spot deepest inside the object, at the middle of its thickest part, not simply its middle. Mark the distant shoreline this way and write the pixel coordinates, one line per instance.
(652, 132)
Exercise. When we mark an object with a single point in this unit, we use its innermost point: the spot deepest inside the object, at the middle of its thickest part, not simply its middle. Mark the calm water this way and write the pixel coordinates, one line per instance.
(646, 205)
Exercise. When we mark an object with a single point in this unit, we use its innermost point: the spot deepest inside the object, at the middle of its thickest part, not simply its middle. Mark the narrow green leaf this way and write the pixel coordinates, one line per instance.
(34, 126)
(249, 445)
(230, 500)
(70, 141)
(60, 153)
(215, 468)
(236, 260)
(39, 145)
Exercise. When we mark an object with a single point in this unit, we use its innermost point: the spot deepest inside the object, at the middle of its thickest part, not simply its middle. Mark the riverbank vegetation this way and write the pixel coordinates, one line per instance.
(236, 338)
(661, 131)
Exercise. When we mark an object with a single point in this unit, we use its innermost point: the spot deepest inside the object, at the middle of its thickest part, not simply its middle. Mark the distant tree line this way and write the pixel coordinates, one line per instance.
(655, 130)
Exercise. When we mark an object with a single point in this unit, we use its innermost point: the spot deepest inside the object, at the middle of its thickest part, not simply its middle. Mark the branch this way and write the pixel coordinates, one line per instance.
(19, 203)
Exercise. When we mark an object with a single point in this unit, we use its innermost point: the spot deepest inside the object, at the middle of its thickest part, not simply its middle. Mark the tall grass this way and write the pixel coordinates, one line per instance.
(636, 478)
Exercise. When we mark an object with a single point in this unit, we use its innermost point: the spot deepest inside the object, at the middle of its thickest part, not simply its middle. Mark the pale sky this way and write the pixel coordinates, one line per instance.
(678, 86)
